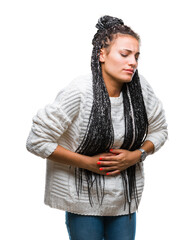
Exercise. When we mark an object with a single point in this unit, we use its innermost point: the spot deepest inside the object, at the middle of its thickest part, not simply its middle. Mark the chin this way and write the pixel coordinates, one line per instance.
(126, 80)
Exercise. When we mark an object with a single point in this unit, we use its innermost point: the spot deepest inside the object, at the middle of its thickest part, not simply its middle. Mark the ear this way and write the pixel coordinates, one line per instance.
(102, 55)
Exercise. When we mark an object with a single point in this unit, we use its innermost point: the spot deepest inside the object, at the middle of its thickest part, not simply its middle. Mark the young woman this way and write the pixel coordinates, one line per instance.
(96, 135)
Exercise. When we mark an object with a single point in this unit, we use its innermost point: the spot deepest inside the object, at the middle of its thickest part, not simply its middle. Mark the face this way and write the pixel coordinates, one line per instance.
(120, 61)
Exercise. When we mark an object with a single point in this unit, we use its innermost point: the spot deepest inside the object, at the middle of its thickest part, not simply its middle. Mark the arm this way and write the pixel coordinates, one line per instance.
(43, 145)
(157, 129)
(48, 126)
(51, 122)
(157, 135)
(122, 159)
(148, 146)
(64, 156)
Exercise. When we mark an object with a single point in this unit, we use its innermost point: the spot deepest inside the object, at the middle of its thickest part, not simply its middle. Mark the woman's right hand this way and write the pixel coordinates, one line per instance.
(62, 155)
(92, 163)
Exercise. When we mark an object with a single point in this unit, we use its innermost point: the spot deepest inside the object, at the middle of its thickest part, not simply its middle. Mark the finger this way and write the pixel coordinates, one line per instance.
(108, 158)
(113, 173)
(116, 151)
(106, 163)
(108, 154)
(107, 169)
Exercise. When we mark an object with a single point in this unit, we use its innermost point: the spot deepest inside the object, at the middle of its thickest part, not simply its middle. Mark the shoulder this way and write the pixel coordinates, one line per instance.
(76, 88)
(147, 89)
(82, 82)
(144, 83)
(150, 99)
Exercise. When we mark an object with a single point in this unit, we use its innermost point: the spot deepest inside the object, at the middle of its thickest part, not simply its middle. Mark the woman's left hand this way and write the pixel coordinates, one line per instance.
(121, 160)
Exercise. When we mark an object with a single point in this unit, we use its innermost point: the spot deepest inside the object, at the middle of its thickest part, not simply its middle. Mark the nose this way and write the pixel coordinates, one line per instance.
(132, 61)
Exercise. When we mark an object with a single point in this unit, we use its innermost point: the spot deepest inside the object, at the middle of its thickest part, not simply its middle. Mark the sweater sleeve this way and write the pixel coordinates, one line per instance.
(52, 121)
(157, 129)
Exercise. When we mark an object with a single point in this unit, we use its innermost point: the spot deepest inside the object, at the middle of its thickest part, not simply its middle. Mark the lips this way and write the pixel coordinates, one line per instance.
(129, 70)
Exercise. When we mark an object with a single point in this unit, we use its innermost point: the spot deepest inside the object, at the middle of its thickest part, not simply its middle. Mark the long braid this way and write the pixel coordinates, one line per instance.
(99, 136)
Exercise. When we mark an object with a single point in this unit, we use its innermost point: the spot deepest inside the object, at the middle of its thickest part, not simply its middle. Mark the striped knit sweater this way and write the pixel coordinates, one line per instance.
(64, 123)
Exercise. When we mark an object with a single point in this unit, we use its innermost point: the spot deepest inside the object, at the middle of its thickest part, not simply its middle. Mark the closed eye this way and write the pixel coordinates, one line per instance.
(123, 55)
(129, 52)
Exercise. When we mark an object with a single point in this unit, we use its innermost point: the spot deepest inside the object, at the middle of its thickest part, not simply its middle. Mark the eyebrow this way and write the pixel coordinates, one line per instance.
(130, 51)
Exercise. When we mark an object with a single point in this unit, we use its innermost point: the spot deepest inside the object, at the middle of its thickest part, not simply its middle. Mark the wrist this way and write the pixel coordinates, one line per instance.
(134, 157)
(143, 153)
(85, 163)
(138, 155)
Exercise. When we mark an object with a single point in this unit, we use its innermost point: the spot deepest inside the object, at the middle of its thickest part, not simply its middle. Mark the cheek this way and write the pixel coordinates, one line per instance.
(117, 62)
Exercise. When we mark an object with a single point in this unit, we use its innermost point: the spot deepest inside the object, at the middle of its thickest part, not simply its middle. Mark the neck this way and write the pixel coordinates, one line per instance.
(112, 85)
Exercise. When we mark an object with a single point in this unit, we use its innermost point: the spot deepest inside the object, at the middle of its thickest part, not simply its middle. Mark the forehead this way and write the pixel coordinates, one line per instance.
(125, 42)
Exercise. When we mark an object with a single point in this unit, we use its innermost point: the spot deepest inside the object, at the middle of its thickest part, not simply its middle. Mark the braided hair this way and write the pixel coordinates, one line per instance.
(99, 136)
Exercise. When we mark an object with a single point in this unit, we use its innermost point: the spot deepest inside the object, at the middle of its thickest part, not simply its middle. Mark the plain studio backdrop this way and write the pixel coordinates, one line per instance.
(43, 46)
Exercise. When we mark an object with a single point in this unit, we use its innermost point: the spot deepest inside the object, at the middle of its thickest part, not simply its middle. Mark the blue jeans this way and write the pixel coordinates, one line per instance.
(84, 227)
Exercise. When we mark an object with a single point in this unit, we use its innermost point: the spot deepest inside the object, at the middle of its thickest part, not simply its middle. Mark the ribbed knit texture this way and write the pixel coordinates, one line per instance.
(64, 123)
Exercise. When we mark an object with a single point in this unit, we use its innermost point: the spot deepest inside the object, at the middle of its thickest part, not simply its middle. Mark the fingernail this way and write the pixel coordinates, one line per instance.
(98, 163)
(100, 158)
(111, 149)
(100, 169)
(107, 174)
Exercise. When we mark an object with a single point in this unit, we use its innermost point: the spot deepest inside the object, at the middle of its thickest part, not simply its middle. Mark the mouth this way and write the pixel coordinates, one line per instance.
(130, 71)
